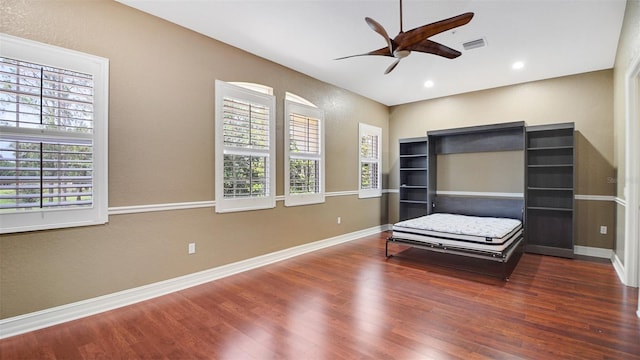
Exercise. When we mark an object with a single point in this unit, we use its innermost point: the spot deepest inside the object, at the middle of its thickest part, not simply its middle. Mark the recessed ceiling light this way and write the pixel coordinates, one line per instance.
(517, 65)
(428, 84)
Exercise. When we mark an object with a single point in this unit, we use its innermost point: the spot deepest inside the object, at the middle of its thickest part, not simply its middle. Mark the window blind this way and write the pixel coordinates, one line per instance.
(304, 153)
(246, 149)
(46, 143)
(370, 149)
(304, 165)
(369, 162)
(36, 96)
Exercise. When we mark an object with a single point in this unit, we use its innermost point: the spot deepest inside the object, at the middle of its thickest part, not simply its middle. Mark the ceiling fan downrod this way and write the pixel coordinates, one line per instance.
(401, 16)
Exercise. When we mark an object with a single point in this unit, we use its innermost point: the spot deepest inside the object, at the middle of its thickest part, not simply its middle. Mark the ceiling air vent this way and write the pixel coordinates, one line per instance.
(474, 44)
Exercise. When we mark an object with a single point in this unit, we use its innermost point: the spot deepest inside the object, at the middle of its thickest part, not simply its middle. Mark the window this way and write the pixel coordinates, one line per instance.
(370, 145)
(53, 137)
(263, 89)
(245, 150)
(304, 153)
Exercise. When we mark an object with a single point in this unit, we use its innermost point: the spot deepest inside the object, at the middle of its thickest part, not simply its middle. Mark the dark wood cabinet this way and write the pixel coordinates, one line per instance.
(549, 198)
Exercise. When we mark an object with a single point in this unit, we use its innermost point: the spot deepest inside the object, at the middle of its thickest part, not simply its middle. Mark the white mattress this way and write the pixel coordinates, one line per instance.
(460, 231)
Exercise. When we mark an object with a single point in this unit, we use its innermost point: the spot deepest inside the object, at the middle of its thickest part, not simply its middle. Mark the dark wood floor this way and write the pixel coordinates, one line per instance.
(348, 302)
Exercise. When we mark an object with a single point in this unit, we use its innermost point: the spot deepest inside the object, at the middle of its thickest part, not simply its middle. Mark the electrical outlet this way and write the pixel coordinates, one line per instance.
(603, 230)
(339, 220)
(192, 248)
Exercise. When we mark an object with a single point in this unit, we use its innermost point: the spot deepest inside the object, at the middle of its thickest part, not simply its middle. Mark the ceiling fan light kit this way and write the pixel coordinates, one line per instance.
(416, 39)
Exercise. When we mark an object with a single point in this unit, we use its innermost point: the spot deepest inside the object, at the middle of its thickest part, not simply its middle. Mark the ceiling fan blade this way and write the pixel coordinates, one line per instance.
(380, 52)
(407, 39)
(392, 66)
(380, 30)
(432, 47)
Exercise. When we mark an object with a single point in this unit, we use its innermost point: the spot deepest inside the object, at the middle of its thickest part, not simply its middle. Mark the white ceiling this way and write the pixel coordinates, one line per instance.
(552, 37)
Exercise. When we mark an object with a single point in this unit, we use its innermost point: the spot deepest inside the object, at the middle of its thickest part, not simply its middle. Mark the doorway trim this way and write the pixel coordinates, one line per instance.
(632, 176)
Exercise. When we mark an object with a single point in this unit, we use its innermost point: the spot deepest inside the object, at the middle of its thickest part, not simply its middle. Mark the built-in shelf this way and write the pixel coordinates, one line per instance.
(549, 196)
(414, 177)
(549, 176)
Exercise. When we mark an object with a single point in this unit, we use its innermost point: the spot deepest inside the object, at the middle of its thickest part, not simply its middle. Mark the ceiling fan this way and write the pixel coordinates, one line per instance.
(415, 40)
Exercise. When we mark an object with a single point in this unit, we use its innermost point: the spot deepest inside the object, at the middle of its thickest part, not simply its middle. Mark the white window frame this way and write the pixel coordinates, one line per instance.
(226, 90)
(53, 56)
(296, 107)
(369, 130)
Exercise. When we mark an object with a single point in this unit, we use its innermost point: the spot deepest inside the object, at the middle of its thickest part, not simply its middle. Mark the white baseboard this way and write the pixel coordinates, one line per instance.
(57, 315)
(617, 265)
(593, 251)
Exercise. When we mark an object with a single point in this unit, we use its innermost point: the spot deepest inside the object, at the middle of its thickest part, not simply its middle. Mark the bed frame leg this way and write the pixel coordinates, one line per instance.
(386, 249)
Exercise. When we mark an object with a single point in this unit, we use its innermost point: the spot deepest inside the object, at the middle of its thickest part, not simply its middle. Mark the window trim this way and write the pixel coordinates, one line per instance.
(294, 107)
(222, 90)
(98, 67)
(363, 130)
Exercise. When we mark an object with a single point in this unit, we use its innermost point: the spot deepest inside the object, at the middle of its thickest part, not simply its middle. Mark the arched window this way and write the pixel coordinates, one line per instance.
(244, 147)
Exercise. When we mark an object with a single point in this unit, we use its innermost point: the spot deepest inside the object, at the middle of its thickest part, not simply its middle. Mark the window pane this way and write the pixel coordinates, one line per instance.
(67, 175)
(369, 146)
(246, 125)
(369, 175)
(46, 174)
(245, 176)
(304, 176)
(36, 96)
(304, 134)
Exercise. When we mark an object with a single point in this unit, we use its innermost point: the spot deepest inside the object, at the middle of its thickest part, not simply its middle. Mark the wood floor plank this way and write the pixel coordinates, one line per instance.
(350, 302)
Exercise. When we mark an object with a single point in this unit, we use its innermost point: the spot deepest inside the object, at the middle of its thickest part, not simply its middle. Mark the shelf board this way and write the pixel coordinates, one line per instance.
(546, 208)
(550, 148)
(413, 155)
(550, 166)
(549, 188)
(551, 128)
(414, 201)
(413, 186)
(414, 169)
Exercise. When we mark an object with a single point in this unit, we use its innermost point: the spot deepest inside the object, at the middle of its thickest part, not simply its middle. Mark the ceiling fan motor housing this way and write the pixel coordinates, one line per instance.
(401, 53)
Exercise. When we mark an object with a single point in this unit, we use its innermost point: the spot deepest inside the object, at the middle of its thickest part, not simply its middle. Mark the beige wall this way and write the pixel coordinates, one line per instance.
(585, 99)
(628, 50)
(492, 172)
(161, 151)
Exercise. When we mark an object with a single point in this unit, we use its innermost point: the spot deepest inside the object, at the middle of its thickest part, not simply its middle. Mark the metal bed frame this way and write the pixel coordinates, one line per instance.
(477, 260)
